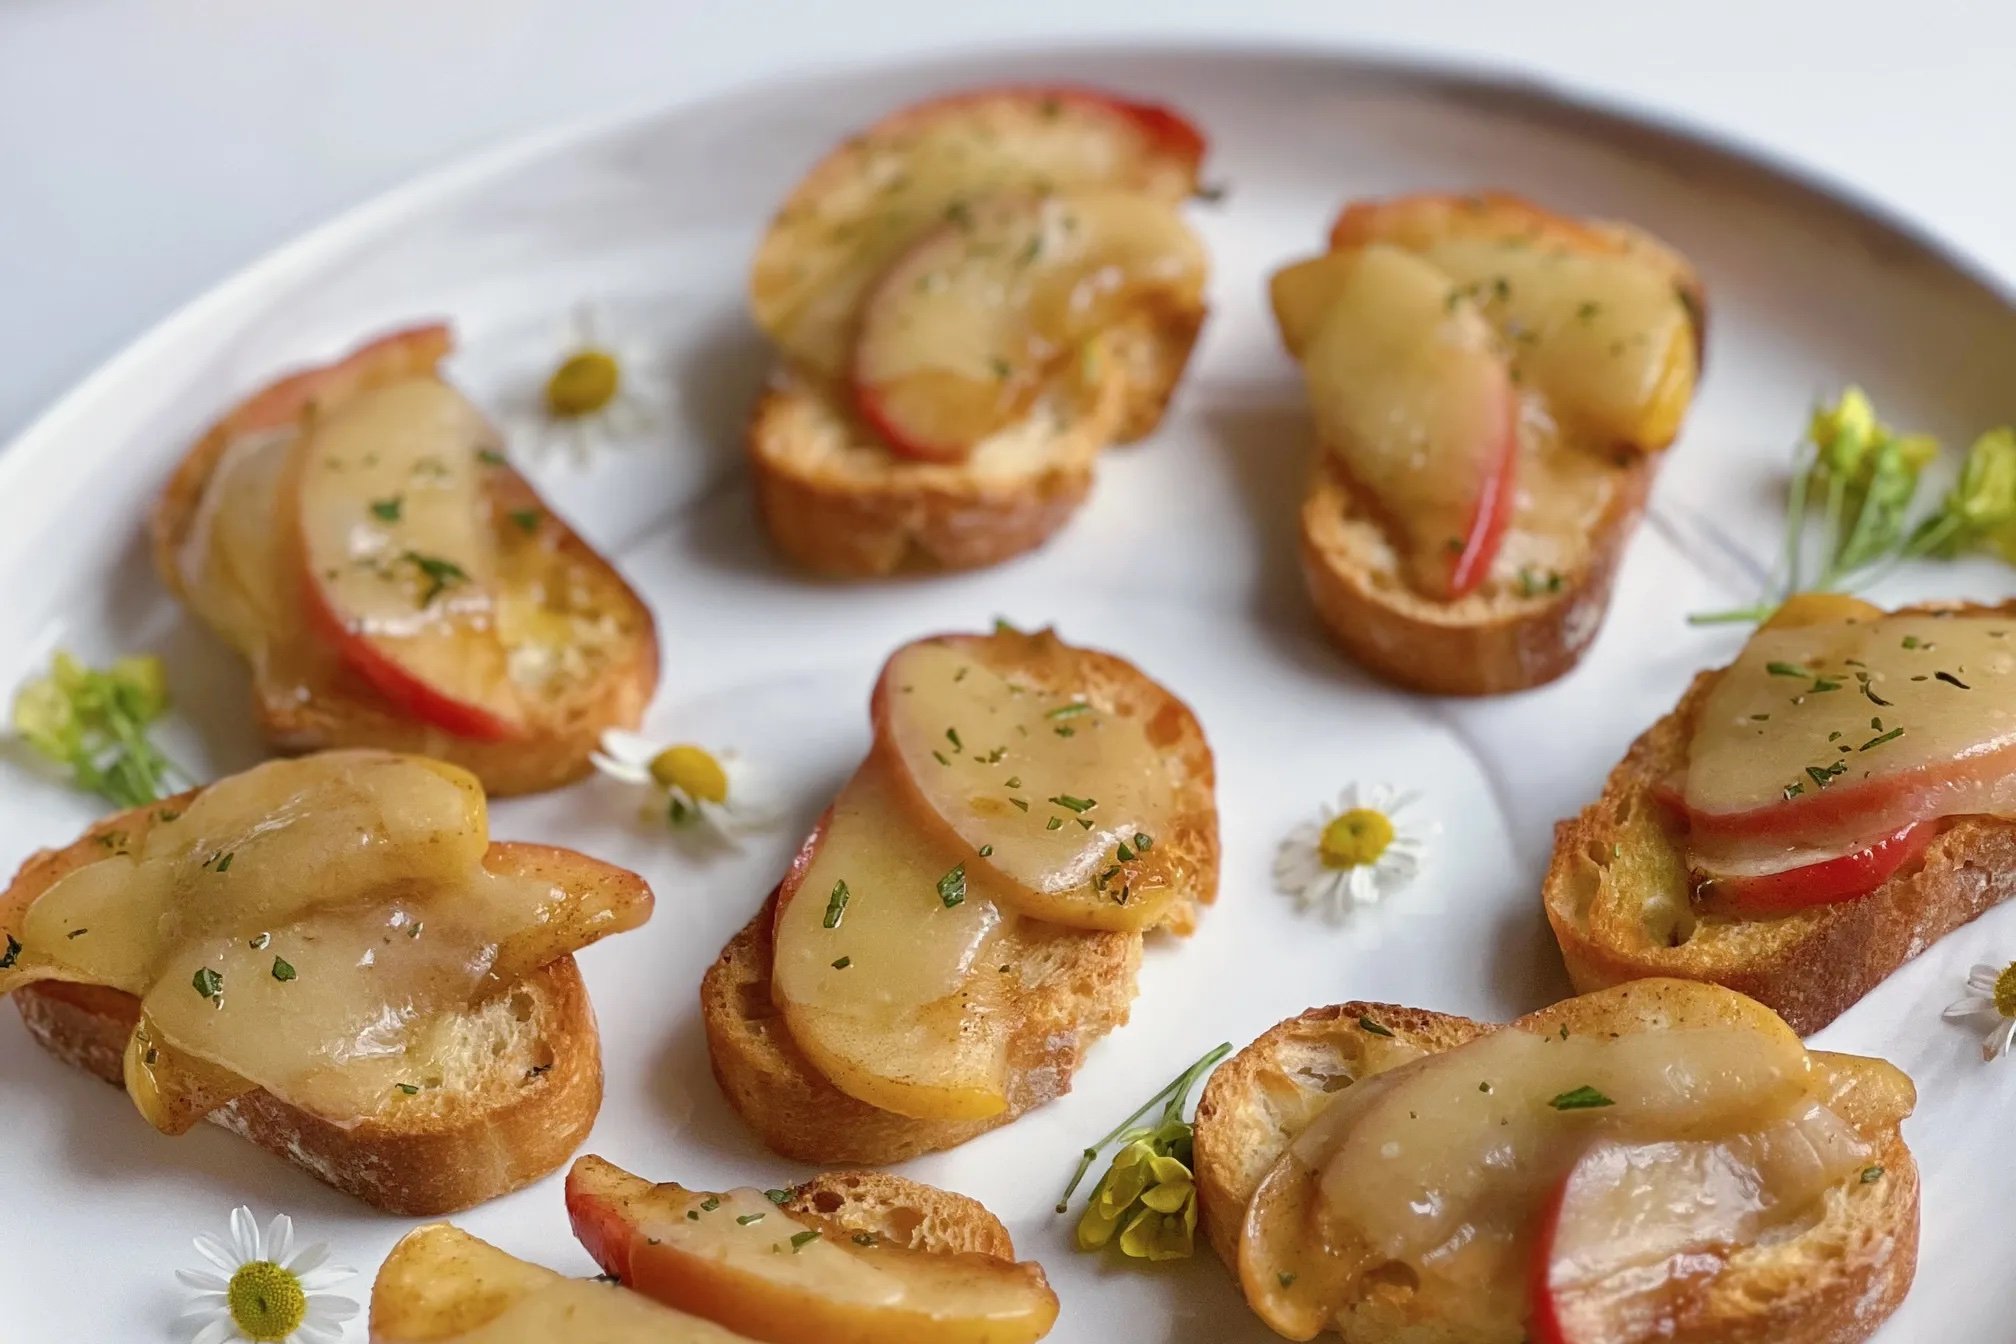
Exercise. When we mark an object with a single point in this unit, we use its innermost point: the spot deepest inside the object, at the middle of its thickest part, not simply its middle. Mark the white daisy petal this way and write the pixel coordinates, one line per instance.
(245, 1240)
(279, 1239)
(1982, 979)
(217, 1253)
(1997, 1044)
(217, 1332)
(1961, 1009)
(203, 1280)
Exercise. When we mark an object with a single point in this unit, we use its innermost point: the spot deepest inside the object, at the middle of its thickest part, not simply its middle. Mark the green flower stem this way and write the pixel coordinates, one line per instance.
(1171, 1098)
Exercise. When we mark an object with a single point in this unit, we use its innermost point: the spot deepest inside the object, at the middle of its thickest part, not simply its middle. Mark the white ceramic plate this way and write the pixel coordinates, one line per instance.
(1182, 561)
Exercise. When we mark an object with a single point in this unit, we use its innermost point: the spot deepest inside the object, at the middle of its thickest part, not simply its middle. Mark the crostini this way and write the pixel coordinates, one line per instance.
(328, 956)
(844, 1258)
(1492, 385)
(968, 916)
(355, 532)
(441, 1285)
(968, 301)
(1809, 818)
(1662, 1161)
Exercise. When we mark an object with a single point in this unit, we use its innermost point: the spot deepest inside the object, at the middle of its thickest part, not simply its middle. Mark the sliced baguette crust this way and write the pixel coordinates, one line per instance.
(342, 710)
(1833, 1283)
(1073, 985)
(839, 503)
(517, 1097)
(1618, 895)
(903, 1213)
(1493, 640)
(1498, 638)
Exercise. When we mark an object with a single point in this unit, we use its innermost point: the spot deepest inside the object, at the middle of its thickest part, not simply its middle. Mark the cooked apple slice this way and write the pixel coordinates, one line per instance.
(1411, 391)
(882, 965)
(398, 558)
(1833, 734)
(442, 1286)
(961, 333)
(859, 208)
(790, 1278)
(1768, 887)
(1059, 798)
(1635, 1227)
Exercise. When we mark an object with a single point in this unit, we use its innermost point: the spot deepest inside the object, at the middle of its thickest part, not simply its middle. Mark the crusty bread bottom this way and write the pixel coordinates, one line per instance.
(1833, 1283)
(1618, 895)
(517, 1096)
(838, 502)
(1074, 988)
(1494, 640)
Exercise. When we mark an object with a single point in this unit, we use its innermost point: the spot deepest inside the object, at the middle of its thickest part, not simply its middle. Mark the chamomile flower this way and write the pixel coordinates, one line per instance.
(689, 785)
(591, 398)
(259, 1289)
(1352, 854)
(1990, 1001)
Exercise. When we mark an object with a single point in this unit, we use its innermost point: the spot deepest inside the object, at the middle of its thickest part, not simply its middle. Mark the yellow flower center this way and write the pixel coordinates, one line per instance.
(2005, 991)
(585, 382)
(266, 1301)
(1355, 839)
(692, 771)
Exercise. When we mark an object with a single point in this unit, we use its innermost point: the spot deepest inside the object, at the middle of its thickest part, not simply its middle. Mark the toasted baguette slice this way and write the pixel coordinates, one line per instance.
(1832, 1283)
(518, 1092)
(1072, 986)
(904, 1213)
(1549, 588)
(339, 708)
(439, 1283)
(838, 502)
(1619, 895)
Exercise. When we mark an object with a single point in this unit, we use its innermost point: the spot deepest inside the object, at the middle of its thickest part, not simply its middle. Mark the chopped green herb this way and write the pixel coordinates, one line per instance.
(1786, 670)
(258, 941)
(836, 905)
(1065, 800)
(208, 983)
(1022, 803)
(952, 886)
(1951, 680)
(1910, 641)
(1055, 823)
(865, 1239)
(12, 954)
(388, 509)
(986, 851)
(1286, 1279)
(283, 970)
(952, 736)
(748, 1218)
(441, 574)
(1871, 1175)
(409, 1089)
(710, 1204)
(527, 520)
(1583, 1098)
(1365, 1023)
(800, 1240)
(1012, 782)
(1142, 842)
(843, 963)
(1070, 711)
(777, 1196)
(1890, 736)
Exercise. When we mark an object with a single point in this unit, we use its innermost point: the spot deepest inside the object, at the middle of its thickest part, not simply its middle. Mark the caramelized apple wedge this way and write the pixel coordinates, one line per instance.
(885, 960)
(1058, 798)
(863, 205)
(962, 331)
(1410, 387)
(398, 557)
(737, 1258)
(442, 1286)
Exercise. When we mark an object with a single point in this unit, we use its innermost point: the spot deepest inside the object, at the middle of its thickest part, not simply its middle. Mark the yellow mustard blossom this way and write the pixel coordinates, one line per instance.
(1146, 1202)
(95, 723)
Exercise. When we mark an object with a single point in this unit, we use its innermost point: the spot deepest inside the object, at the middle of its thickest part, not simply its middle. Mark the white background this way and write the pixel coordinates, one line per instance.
(148, 148)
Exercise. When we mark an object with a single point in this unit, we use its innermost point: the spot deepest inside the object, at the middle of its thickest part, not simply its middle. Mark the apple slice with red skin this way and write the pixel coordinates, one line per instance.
(1411, 391)
(961, 334)
(397, 553)
(738, 1259)
(1833, 881)
(857, 210)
